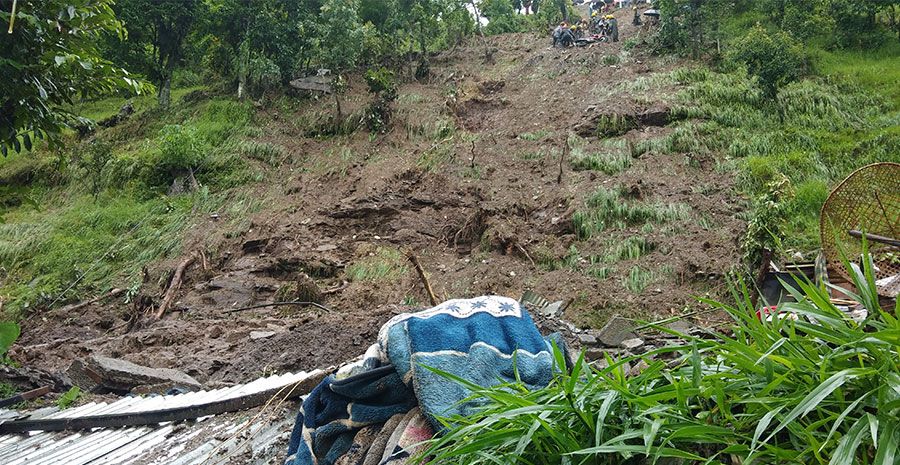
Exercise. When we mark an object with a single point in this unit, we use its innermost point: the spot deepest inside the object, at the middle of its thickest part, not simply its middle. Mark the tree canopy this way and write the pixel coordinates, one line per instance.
(50, 58)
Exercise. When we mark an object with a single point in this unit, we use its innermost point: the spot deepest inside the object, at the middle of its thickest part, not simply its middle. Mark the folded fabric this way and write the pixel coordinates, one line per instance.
(408, 439)
(483, 340)
(336, 410)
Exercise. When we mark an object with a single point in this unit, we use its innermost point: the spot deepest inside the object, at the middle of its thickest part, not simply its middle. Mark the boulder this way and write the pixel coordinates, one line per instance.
(104, 374)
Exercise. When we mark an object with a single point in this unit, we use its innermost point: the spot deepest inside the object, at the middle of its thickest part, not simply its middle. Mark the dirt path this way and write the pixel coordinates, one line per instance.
(342, 209)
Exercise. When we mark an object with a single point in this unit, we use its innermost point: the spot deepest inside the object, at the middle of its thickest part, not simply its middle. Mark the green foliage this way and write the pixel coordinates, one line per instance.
(383, 86)
(501, 16)
(612, 160)
(9, 333)
(181, 149)
(159, 27)
(773, 58)
(46, 65)
(638, 279)
(816, 389)
(609, 208)
(92, 160)
(68, 398)
(384, 265)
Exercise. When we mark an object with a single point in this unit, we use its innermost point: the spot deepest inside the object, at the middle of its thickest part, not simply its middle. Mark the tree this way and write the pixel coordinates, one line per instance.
(501, 16)
(160, 26)
(340, 36)
(49, 59)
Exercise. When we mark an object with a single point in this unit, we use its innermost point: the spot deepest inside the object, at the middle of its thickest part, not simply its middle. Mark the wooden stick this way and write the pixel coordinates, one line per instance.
(79, 306)
(562, 157)
(174, 285)
(415, 261)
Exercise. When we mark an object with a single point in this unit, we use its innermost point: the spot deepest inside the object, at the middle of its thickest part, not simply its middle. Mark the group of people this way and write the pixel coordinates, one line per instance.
(601, 27)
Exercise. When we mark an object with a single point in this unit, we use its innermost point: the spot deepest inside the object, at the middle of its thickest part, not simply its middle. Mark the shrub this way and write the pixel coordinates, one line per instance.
(774, 58)
(383, 86)
(181, 152)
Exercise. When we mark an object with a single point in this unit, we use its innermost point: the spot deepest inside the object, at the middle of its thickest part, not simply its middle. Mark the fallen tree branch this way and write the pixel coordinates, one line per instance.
(415, 261)
(174, 285)
(278, 304)
(79, 306)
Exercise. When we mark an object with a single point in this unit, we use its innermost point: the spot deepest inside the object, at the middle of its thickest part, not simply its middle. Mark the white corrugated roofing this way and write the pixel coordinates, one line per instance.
(240, 437)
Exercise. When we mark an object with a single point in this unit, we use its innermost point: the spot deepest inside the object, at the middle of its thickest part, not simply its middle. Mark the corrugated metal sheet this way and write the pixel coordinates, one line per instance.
(256, 436)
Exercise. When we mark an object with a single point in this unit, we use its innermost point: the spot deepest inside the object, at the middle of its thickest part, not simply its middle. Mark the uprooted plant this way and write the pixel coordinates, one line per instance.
(809, 385)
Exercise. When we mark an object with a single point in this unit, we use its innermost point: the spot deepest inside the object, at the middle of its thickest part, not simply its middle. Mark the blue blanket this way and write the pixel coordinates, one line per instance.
(476, 339)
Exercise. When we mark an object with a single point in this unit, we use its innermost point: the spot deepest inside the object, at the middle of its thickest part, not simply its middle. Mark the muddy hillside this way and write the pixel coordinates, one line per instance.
(498, 177)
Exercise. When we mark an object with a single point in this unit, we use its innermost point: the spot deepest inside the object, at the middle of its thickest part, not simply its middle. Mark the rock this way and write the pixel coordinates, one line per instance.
(616, 330)
(680, 326)
(215, 332)
(104, 374)
(633, 343)
(255, 335)
(587, 339)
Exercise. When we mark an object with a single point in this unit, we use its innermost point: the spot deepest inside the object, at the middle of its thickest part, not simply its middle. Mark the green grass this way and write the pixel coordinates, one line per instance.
(610, 209)
(781, 392)
(833, 124)
(535, 136)
(69, 244)
(384, 265)
(638, 279)
(106, 107)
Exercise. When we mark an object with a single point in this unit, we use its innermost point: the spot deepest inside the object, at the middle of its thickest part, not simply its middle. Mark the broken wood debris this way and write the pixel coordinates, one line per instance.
(80, 305)
(415, 261)
(174, 285)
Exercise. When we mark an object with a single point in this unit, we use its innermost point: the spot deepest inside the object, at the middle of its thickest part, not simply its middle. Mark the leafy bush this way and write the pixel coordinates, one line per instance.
(774, 58)
(181, 151)
(383, 85)
(808, 386)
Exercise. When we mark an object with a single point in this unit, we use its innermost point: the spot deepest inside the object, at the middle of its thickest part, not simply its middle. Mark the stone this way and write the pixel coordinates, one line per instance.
(616, 330)
(633, 343)
(587, 339)
(104, 374)
(681, 326)
(215, 332)
(255, 335)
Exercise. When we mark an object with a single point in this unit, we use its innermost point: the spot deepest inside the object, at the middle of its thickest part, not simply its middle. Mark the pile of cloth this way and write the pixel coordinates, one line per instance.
(379, 410)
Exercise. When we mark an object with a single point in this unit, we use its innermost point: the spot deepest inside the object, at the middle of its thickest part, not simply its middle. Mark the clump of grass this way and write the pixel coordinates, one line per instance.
(614, 125)
(535, 136)
(266, 152)
(606, 162)
(386, 264)
(817, 389)
(631, 248)
(435, 157)
(638, 279)
(608, 208)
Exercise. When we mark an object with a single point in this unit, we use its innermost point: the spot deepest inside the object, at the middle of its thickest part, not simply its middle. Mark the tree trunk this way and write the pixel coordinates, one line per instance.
(337, 108)
(165, 91)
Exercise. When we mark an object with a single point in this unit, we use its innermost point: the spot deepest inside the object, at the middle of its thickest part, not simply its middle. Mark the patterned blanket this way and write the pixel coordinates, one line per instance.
(476, 339)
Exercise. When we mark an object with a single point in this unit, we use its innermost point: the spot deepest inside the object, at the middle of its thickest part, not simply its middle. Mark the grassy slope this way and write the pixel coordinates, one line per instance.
(841, 120)
(73, 239)
(846, 116)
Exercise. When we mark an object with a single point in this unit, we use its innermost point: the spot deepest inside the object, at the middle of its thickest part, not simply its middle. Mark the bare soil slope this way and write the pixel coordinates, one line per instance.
(339, 211)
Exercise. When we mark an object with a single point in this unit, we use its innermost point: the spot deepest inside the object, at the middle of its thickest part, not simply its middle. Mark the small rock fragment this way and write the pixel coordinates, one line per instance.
(254, 335)
(632, 343)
